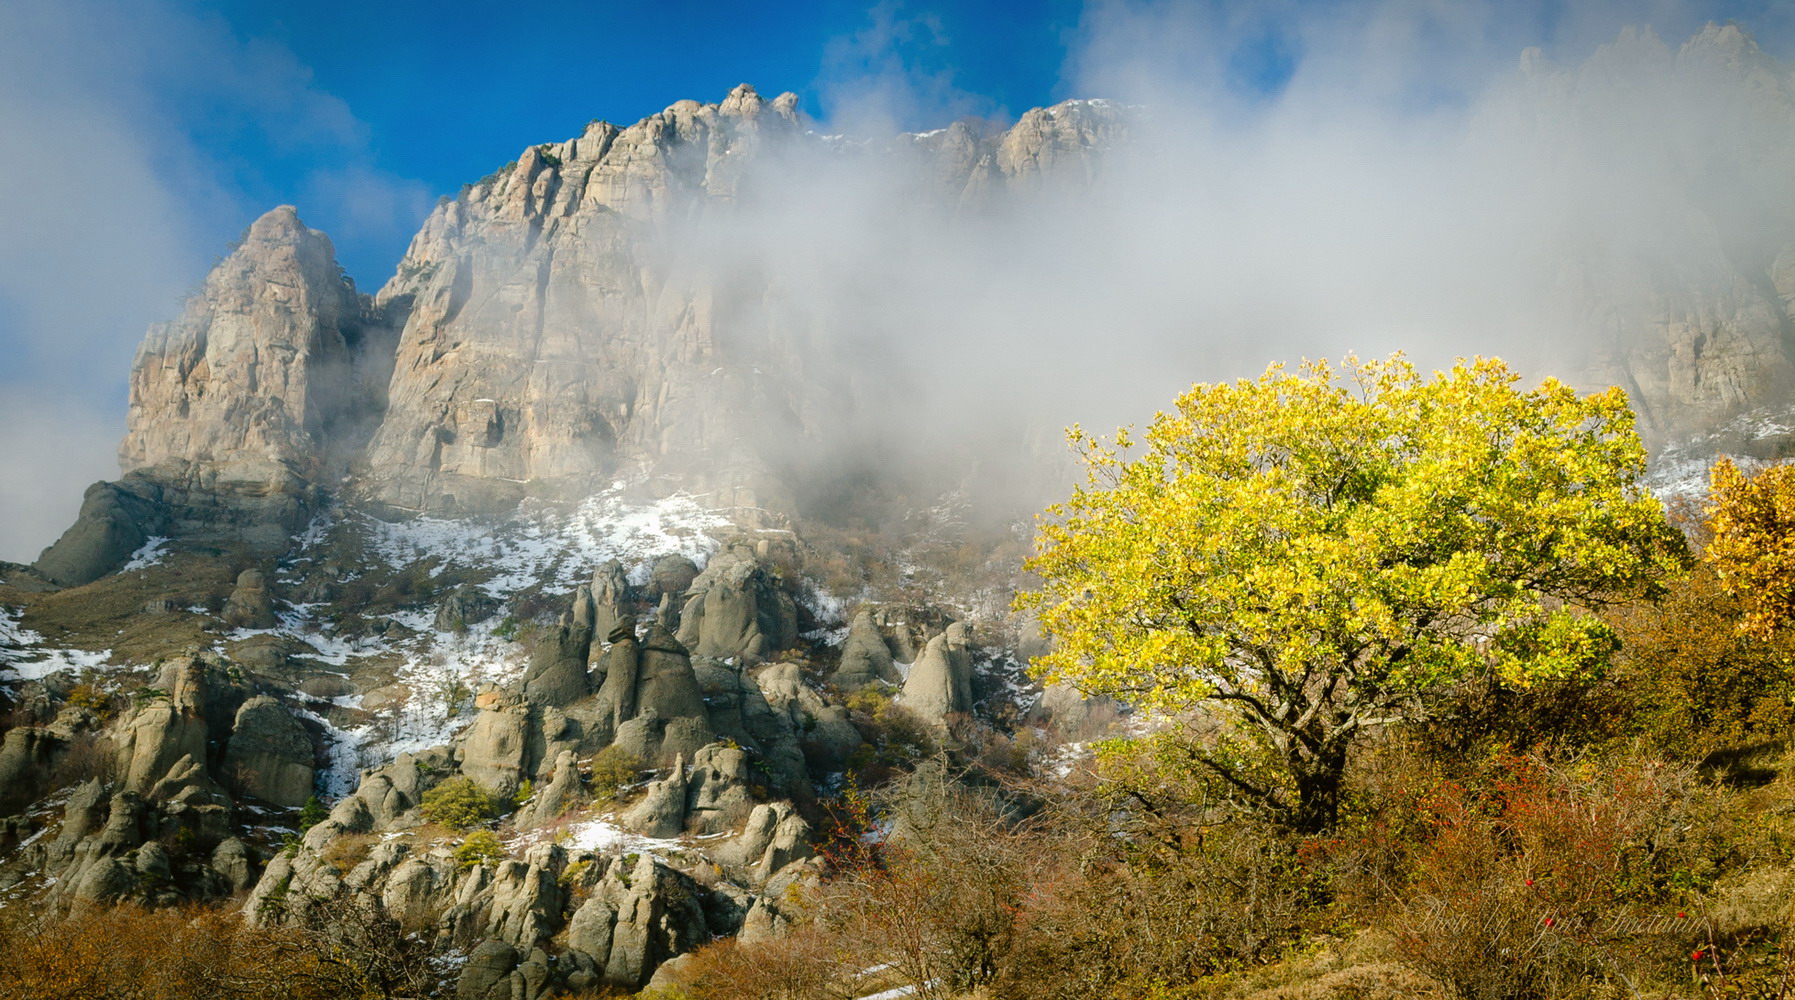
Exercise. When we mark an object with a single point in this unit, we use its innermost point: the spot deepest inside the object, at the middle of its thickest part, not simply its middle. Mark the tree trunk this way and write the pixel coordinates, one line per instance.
(1318, 781)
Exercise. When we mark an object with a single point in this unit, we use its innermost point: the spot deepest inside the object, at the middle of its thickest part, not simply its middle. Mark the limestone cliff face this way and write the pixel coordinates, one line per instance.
(270, 371)
(1694, 321)
(558, 334)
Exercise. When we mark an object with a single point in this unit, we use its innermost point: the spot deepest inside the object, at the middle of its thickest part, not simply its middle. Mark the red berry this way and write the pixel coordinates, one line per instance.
(1681, 915)
(1696, 956)
(1529, 881)
(1548, 921)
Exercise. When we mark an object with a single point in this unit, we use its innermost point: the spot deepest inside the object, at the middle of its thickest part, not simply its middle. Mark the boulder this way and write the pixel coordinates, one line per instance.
(557, 671)
(157, 735)
(562, 792)
(658, 917)
(234, 863)
(250, 605)
(668, 687)
(657, 741)
(824, 729)
(721, 789)
(525, 901)
(671, 574)
(589, 932)
(621, 667)
(609, 590)
(487, 974)
(27, 757)
(495, 752)
(774, 836)
(662, 810)
(464, 606)
(115, 521)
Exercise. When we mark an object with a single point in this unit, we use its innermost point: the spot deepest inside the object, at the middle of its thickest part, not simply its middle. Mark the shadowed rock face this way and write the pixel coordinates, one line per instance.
(269, 755)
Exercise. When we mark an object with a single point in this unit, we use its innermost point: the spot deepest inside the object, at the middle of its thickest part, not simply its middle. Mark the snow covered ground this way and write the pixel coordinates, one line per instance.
(602, 836)
(1681, 469)
(23, 656)
(554, 544)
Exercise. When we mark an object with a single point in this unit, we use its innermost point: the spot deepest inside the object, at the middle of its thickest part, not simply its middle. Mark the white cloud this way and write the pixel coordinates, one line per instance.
(117, 196)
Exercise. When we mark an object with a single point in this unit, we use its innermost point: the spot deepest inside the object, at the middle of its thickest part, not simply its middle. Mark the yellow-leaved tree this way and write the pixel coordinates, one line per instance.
(1753, 548)
(1316, 553)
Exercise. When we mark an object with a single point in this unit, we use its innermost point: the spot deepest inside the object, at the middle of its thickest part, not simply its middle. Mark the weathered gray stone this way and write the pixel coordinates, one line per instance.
(662, 810)
(671, 574)
(116, 519)
(865, 657)
(940, 682)
(496, 750)
(250, 605)
(557, 671)
(554, 797)
(232, 860)
(270, 754)
(27, 756)
(736, 609)
(668, 687)
(487, 972)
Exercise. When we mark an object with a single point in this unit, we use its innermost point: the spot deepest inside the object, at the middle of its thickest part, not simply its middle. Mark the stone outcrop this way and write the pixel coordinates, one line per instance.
(736, 608)
(940, 682)
(496, 752)
(250, 605)
(269, 755)
(674, 573)
(865, 656)
(116, 519)
(823, 727)
(714, 795)
(668, 687)
(28, 755)
(557, 674)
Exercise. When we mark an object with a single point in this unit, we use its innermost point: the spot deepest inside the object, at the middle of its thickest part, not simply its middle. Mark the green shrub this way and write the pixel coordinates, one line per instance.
(612, 769)
(460, 803)
(481, 847)
(311, 814)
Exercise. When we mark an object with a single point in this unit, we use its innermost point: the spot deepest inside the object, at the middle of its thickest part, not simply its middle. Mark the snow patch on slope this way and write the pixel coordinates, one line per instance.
(559, 547)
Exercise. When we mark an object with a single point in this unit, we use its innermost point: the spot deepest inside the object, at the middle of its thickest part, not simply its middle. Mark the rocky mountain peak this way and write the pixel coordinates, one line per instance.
(259, 378)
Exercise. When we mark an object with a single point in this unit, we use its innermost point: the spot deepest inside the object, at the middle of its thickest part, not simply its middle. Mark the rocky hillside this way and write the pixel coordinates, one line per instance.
(548, 603)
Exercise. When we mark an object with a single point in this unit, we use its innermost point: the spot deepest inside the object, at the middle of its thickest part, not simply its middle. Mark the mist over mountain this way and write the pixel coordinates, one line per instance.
(722, 300)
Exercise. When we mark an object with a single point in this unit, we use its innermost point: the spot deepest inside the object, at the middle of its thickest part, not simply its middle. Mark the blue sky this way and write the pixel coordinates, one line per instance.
(448, 91)
(139, 137)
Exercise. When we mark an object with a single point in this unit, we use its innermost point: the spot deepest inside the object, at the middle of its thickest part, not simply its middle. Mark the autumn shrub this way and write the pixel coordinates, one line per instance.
(1751, 543)
(460, 803)
(1544, 880)
(89, 757)
(346, 850)
(808, 963)
(1153, 878)
(939, 902)
(1694, 680)
(127, 953)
